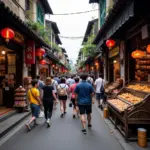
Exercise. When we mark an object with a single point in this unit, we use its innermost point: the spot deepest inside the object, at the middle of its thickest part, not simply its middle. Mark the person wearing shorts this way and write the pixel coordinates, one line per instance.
(35, 102)
(84, 92)
(72, 88)
(62, 96)
(99, 96)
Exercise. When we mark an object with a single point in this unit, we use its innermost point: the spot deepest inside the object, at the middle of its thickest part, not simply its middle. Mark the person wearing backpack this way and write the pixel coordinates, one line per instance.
(99, 88)
(62, 90)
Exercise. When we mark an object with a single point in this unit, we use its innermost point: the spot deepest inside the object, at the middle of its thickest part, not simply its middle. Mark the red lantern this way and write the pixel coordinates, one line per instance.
(137, 54)
(53, 65)
(110, 43)
(148, 49)
(7, 33)
(43, 62)
(40, 52)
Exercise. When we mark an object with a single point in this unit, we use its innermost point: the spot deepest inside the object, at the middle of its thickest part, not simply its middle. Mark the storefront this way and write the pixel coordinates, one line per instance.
(114, 64)
(11, 72)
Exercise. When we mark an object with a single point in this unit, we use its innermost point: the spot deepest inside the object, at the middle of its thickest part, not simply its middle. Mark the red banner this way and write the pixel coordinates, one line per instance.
(30, 53)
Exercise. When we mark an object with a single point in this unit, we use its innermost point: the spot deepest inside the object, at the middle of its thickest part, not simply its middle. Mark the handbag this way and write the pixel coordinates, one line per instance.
(102, 90)
(70, 104)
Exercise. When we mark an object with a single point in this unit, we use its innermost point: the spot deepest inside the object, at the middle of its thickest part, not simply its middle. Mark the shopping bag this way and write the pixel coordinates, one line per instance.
(41, 115)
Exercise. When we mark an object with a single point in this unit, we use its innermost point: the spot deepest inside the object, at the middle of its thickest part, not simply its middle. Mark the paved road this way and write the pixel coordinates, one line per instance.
(64, 134)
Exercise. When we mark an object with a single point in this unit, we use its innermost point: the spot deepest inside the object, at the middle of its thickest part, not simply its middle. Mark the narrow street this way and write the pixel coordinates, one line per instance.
(64, 134)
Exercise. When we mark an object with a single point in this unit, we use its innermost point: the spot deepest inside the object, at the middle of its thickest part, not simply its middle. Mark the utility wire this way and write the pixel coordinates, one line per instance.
(65, 14)
(76, 13)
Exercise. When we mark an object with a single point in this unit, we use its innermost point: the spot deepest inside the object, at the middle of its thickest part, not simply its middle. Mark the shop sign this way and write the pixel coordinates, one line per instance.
(114, 52)
(30, 53)
(18, 37)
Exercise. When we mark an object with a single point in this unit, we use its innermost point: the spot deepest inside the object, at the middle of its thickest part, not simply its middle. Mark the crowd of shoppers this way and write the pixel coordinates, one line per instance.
(79, 89)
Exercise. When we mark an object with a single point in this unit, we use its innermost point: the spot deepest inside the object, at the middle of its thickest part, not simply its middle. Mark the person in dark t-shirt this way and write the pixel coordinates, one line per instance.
(49, 97)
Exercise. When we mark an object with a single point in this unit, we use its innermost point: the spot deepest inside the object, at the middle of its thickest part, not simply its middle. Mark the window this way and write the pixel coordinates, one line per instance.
(27, 5)
(40, 14)
(102, 11)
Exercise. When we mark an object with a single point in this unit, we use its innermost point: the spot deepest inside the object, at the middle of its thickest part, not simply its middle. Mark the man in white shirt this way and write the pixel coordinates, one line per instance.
(70, 81)
(99, 96)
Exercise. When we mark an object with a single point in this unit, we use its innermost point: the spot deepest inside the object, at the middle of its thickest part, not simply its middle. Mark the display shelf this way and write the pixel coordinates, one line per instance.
(20, 97)
(138, 113)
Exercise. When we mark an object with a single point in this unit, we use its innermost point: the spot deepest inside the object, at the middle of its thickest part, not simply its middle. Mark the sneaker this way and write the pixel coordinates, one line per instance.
(62, 115)
(48, 123)
(101, 107)
(89, 126)
(74, 116)
(28, 127)
(84, 131)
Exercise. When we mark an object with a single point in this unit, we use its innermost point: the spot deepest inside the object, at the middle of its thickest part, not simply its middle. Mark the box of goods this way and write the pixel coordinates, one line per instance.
(130, 98)
(138, 87)
(120, 105)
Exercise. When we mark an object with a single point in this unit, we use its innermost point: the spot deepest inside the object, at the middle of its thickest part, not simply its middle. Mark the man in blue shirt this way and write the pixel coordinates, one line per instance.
(84, 92)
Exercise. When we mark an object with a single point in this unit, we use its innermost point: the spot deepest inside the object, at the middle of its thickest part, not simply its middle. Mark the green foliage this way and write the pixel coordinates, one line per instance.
(81, 64)
(44, 33)
(89, 48)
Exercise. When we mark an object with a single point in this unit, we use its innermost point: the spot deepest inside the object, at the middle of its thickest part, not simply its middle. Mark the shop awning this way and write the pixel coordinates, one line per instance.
(93, 1)
(114, 21)
(15, 20)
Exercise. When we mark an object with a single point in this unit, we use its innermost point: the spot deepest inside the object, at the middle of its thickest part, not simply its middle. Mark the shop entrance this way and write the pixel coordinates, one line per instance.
(114, 69)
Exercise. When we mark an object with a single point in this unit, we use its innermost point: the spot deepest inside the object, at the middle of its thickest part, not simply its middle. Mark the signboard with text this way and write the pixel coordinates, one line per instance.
(114, 52)
(30, 53)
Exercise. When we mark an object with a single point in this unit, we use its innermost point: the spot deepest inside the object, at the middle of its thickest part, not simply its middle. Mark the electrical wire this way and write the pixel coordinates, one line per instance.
(66, 14)
(76, 13)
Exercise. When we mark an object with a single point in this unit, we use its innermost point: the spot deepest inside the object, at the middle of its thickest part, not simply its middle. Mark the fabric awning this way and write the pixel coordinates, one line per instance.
(121, 19)
(113, 23)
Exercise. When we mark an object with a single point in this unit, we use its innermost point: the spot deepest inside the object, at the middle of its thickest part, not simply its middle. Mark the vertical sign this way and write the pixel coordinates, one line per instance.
(30, 53)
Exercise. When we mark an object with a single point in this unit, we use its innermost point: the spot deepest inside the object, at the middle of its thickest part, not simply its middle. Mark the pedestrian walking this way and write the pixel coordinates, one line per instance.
(56, 78)
(73, 97)
(90, 79)
(84, 92)
(99, 88)
(54, 84)
(41, 85)
(35, 102)
(62, 90)
(70, 81)
(49, 98)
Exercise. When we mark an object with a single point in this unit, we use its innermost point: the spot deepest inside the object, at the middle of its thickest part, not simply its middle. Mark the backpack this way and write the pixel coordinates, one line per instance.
(102, 90)
(62, 91)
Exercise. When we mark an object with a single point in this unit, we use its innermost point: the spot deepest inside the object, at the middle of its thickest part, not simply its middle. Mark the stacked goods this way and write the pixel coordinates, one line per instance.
(130, 98)
(120, 105)
(20, 97)
(139, 87)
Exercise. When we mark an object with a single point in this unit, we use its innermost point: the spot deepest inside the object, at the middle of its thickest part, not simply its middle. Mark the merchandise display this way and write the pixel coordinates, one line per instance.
(20, 97)
(120, 105)
(129, 107)
(139, 87)
(142, 68)
(130, 98)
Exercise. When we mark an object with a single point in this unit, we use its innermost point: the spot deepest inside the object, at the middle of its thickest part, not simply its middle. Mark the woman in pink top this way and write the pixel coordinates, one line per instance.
(73, 97)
